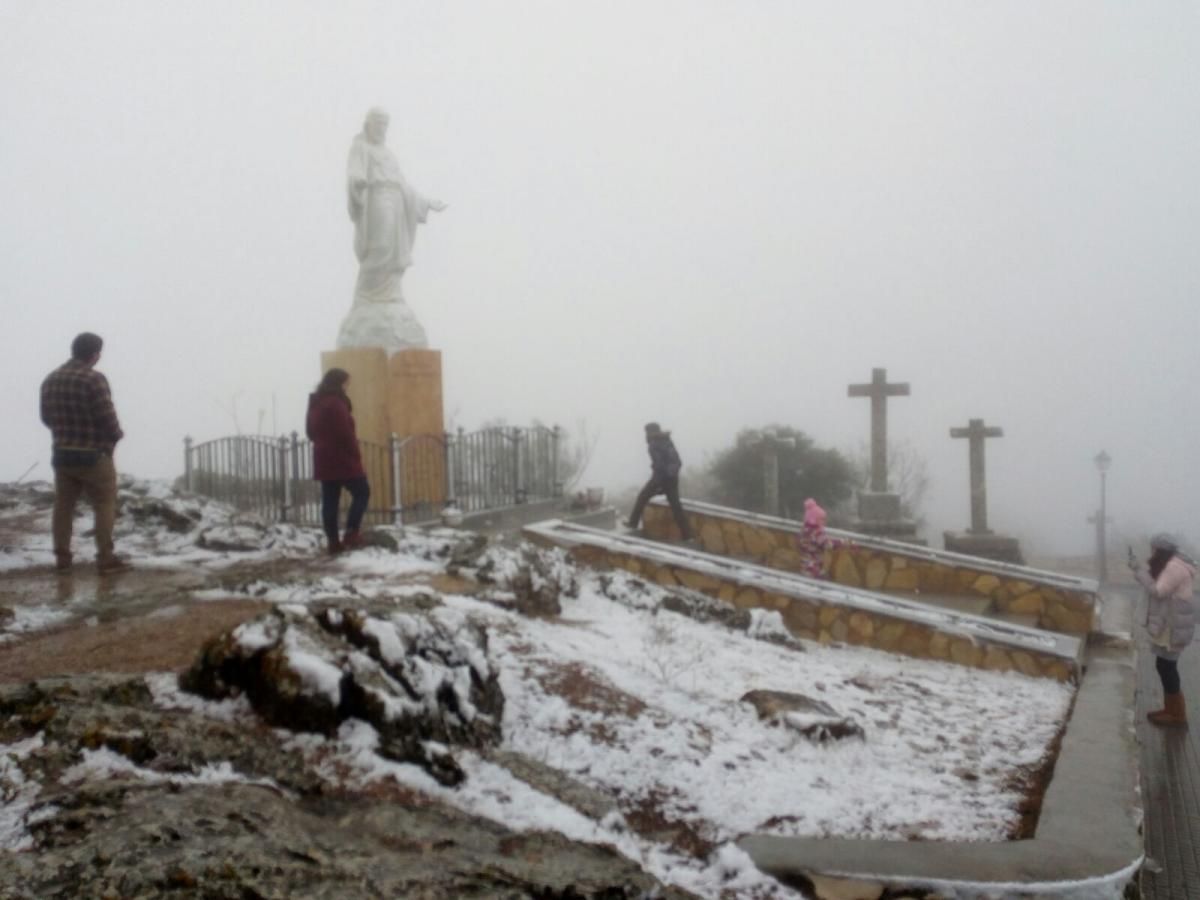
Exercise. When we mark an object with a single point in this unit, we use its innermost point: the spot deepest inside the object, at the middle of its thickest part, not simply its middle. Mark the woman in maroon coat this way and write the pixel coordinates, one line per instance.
(337, 462)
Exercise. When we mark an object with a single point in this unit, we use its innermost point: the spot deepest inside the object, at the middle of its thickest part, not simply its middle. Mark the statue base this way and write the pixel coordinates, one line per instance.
(987, 545)
(391, 325)
(397, 395)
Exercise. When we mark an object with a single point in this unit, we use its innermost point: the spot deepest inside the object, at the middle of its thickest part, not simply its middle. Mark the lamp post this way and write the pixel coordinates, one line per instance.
(1103, 461)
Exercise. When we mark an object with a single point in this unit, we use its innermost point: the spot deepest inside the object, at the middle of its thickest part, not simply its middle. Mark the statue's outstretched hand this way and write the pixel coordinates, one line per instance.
(437, 205)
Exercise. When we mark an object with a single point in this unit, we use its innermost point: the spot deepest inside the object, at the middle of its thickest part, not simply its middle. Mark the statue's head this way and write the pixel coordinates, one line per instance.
(376, 125)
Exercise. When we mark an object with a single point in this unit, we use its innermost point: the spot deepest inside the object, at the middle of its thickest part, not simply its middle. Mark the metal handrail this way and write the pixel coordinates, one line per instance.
(422, 473)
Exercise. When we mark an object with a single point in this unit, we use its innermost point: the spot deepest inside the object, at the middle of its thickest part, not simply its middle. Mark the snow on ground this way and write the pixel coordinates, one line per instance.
(17, 793)
(492, 792)
(642, 705)
(27, 618)
(155, 524)
(942, 741)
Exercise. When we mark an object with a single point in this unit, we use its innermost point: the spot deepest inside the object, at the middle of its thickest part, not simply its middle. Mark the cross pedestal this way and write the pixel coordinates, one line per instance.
(879, 510)
(978, 540)
(989, 546)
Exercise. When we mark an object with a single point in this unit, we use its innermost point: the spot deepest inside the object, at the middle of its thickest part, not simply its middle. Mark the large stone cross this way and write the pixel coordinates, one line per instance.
(879, 390)
(976, 433)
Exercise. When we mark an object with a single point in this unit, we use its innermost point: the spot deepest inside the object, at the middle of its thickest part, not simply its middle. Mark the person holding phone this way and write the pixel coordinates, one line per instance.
(1170, 620)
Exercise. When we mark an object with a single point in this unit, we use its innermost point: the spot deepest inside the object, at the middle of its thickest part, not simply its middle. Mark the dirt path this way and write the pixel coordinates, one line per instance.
(167, 640)
(144, 620)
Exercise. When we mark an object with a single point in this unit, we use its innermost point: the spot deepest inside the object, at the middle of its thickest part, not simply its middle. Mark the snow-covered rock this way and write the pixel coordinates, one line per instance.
(416, 676)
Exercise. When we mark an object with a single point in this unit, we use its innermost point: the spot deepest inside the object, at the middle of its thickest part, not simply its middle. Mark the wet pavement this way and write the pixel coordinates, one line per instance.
(138, 621)
(83, 595)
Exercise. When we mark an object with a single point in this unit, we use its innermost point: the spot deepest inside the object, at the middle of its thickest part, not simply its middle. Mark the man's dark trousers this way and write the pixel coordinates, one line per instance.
(661, 484)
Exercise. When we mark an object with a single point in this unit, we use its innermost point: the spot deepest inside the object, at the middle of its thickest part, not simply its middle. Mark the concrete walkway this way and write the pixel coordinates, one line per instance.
(1170, 782)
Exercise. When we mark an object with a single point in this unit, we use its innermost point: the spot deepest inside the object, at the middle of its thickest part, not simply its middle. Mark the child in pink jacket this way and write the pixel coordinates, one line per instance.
(813, 542)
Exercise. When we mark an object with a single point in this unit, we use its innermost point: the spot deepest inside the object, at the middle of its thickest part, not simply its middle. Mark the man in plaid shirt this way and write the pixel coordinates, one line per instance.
(77, 407)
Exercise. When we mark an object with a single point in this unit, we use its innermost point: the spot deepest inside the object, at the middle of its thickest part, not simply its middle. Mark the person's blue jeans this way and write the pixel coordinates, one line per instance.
(331, 493)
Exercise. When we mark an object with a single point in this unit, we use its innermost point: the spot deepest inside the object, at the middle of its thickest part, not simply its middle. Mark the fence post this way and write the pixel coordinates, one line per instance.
(518, 492)
(462, 475)
(448, 468)
(295, 476)
(285, 484)
(556, 488)
(397, 474)
(187, 463)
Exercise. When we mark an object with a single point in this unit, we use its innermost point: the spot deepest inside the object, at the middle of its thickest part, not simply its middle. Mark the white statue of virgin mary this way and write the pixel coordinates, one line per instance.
(386, 211)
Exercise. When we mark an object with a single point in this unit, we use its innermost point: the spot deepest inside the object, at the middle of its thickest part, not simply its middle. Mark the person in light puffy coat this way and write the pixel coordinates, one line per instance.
(1170, 621)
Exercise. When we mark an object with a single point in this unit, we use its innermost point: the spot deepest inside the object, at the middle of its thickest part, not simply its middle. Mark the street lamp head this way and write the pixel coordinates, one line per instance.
(1103, 461)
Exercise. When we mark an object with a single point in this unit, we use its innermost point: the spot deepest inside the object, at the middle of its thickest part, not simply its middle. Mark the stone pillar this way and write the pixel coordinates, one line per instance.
(415, 392)
(368, 388)
(399, 394)
(415, 412)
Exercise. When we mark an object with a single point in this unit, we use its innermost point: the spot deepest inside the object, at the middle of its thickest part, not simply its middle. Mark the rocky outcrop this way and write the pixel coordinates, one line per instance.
(138, 800)
(532, 581)
(415, 677)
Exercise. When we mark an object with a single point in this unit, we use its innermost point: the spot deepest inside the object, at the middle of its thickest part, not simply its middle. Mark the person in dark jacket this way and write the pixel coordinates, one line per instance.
(337, 462)
(664, 479)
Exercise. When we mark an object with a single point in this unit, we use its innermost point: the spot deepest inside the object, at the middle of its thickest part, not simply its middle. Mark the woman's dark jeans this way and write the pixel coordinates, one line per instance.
(331, 493)
(1168, 673)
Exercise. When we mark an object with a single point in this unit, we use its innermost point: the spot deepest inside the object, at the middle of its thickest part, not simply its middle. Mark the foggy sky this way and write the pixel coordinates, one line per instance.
(714, 215)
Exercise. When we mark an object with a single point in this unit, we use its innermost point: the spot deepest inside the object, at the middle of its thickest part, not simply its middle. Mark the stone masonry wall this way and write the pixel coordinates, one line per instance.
(819, 620)
(1047, 607)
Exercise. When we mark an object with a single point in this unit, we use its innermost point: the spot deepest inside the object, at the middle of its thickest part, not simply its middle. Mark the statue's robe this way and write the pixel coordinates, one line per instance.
(386, 211)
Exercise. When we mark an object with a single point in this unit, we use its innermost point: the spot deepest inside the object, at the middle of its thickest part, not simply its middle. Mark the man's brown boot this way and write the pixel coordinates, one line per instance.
(335, 547)
(62, 562)
(111, 565)
(1173, 713)
(353, 539)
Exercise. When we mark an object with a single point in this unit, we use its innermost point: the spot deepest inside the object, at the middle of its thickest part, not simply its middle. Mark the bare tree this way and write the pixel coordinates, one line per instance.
(232, 410)
(575, 452)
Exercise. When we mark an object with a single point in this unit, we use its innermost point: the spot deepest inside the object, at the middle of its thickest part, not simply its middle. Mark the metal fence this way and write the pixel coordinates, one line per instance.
(412, 479)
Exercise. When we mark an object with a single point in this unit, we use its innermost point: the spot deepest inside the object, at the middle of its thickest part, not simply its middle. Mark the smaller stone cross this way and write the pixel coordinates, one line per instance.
(975, 433)
(771, 444)
(879, 390)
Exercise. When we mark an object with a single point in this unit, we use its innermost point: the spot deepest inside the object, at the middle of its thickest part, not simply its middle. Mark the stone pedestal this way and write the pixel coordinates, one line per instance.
(397, 394)
(986, 545)
(879, 515)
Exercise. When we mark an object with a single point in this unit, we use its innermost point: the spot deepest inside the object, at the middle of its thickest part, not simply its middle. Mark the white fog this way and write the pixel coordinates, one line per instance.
(711, 215)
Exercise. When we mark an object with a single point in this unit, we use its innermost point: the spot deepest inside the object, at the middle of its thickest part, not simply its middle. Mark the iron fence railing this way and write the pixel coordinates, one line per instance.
(412, 478)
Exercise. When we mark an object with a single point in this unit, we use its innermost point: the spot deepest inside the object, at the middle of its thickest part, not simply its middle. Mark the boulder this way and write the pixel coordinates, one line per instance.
(234, 537)
(416, 677)
(811, 718)
(146, 511)
(537, 579)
